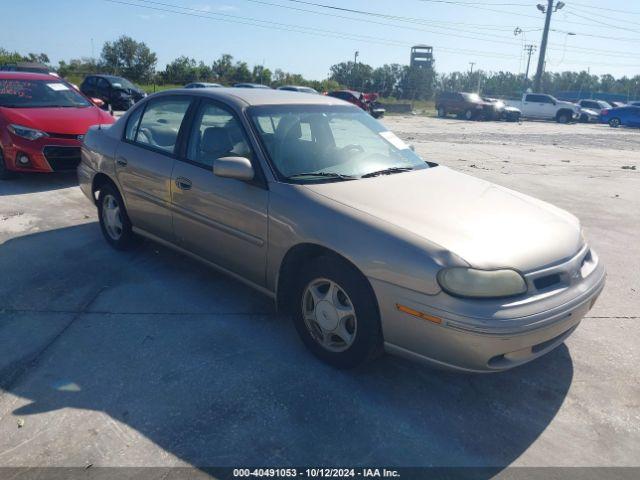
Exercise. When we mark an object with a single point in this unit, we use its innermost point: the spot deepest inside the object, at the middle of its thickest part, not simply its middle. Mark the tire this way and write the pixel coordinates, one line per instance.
(615, 122)
(442, 112)
(353, 295)
(513, 118)
(563, 117)
(584, 118)
(5, 174)
(468, 114)
(121, 238)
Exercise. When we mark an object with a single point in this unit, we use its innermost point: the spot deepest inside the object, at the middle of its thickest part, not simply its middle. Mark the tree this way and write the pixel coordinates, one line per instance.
(417, 83)
(14, 57)
(262, 75)
(357, 76)
(223, 68)
(385, 79)
(129, 58)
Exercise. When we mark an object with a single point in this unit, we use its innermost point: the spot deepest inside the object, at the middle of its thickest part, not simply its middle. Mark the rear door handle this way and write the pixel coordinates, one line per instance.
(183, 183)
(121, 162)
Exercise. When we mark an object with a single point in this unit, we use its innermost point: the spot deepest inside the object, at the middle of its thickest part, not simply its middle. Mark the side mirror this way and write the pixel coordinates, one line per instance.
(412, 147)
(233, 167)
(97, 102)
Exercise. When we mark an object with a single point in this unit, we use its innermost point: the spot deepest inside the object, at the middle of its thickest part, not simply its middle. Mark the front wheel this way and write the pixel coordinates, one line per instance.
(614, 122)
(468, 114)
(442, 112)
(336, 313)
(563, 117)
(114, 221)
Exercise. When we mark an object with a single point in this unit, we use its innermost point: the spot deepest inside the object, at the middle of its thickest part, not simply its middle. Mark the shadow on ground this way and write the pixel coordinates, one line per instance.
(204, 368)
(37, 182)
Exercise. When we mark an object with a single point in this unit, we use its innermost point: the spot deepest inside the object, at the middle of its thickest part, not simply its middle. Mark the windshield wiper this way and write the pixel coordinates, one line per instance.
(337, 176)
(387, 171)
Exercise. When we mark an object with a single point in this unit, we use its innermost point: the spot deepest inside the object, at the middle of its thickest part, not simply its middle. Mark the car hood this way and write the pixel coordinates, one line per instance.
(74, 121)
(486, 225)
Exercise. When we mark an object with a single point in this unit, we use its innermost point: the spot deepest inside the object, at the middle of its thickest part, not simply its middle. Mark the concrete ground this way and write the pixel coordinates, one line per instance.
(147, 358)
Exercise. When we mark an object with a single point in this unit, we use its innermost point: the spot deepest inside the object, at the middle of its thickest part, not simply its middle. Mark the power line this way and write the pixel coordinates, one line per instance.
(447, 33)
(627, 12)
(388, 16)
(291, 28)
(600, 22)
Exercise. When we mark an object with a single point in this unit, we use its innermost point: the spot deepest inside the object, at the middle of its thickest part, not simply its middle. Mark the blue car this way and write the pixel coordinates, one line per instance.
(628, 116)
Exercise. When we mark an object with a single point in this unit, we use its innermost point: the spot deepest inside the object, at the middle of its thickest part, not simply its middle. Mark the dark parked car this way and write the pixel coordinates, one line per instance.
(298, 88)
(116, 92)
(465, 105)
(202, 85)
(628, 116)
(251, 85)
(366, 101)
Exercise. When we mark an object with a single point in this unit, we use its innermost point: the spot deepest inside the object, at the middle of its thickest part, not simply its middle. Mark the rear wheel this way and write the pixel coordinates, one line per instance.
(442, 112)
(336, 313)
(5, 174)
(114, 221)
(468, 114)
(614, 123)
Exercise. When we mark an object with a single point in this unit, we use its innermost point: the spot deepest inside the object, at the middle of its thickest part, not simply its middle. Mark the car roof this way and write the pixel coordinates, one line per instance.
(243, 97)
(26, 76)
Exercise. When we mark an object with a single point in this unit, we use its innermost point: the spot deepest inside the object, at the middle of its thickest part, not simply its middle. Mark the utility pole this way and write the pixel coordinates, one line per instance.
(471, 70)
(530, 48)
(549, 9)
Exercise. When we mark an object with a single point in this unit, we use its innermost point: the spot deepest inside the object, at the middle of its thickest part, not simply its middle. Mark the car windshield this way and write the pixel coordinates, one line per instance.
(309, 143)
(39, 94)
(119, 82)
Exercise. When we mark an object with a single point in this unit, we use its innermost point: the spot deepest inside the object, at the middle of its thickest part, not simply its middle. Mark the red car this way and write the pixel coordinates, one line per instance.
(43, 120)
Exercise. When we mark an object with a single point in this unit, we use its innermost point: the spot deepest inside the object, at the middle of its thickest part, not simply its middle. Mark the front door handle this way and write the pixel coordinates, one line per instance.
(183, 183)
(121, 162)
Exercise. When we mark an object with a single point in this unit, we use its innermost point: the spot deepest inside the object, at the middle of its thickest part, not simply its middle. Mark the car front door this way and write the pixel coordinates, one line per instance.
(222, 220)
(145, 160)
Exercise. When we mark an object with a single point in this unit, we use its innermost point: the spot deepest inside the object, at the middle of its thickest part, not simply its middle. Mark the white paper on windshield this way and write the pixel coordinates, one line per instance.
(393, 139)
(58, 87)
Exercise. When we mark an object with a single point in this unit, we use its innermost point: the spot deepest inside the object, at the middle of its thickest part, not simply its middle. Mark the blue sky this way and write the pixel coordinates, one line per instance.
(480, 31)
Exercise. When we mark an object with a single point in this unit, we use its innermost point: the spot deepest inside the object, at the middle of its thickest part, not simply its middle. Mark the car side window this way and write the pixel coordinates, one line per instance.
(132, 124)
(103, 85)
(161, 123)
(216, 133)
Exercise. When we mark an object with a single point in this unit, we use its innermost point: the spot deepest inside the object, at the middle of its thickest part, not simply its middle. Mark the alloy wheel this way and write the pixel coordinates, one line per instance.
(329, 315)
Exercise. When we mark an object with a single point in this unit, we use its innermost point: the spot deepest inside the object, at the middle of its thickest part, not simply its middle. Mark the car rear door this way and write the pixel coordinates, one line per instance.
(222, 220)
(145, 160)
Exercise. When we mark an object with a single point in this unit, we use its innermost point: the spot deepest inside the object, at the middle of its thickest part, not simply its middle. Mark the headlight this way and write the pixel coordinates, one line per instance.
(26, 132)
(469, 282)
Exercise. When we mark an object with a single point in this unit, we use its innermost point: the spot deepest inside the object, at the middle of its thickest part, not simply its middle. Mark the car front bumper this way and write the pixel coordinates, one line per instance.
(515, 334)
(48, 154)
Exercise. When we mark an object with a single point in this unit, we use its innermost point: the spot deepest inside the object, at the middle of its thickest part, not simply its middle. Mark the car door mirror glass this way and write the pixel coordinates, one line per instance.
(238, 168)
